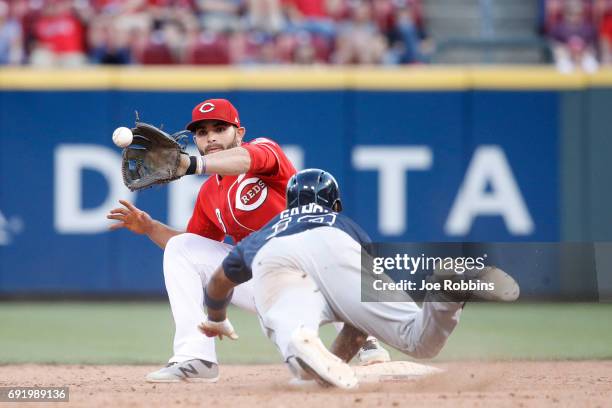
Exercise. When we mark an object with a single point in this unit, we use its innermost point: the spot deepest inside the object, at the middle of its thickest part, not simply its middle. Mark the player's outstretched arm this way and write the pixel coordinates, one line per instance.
(140, 222)
(217, 295)
(229, 162)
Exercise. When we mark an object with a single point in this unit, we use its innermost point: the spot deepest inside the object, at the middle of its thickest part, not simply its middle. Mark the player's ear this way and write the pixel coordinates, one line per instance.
(240, 132)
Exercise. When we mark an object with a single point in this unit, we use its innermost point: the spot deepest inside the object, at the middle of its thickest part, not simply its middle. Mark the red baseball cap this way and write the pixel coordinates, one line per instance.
(214, 109)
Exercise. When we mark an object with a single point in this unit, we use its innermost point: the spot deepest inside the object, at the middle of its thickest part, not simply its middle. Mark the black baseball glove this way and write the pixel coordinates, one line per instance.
(152, 158)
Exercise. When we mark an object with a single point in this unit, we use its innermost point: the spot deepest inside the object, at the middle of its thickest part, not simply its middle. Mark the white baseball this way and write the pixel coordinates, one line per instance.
(122, 137)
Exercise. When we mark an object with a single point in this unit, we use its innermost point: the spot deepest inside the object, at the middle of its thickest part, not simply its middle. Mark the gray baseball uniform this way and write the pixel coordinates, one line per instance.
(306, 271)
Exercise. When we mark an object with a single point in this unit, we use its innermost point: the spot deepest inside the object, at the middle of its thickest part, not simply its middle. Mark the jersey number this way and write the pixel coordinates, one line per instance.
(282, 225)
(218, 212)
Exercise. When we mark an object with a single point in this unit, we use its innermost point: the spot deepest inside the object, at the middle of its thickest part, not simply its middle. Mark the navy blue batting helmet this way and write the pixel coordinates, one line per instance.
(313, 186)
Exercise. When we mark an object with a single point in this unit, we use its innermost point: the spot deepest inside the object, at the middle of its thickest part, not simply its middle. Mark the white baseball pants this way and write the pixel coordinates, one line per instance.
(189, 261)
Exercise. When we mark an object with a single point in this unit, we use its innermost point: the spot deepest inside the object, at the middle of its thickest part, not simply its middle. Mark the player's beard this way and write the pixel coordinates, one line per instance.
(231, 145)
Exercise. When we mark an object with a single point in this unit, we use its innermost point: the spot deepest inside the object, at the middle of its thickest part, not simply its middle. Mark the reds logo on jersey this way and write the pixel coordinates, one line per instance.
(251, 193)
(238, 205)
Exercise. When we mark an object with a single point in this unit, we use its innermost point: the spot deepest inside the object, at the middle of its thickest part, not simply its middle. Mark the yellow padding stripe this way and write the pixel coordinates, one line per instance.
(326, 78)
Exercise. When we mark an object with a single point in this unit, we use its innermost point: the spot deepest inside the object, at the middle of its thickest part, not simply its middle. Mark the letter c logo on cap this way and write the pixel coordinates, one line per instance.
(207, 107)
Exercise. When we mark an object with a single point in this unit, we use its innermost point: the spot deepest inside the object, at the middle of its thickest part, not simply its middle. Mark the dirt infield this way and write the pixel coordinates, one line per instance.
(524, 383)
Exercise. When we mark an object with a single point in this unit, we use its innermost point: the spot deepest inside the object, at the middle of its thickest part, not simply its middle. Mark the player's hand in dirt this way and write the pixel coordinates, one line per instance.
(131, 218)
(222, 328)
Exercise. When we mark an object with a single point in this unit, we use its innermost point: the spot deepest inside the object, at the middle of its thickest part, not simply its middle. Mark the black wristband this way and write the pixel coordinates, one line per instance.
(193, 165)
(215, 304)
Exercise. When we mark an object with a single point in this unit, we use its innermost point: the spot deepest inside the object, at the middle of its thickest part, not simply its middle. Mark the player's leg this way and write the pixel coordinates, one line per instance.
(372, 352)
(291, 309)
(336, 267)
(188, 261)
(418, 332)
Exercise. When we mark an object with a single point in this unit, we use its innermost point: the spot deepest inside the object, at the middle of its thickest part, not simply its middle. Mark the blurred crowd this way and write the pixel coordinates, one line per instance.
(77, 32)
(580, 33)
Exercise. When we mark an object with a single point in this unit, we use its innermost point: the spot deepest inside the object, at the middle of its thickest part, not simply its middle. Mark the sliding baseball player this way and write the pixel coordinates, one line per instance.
(305, 268)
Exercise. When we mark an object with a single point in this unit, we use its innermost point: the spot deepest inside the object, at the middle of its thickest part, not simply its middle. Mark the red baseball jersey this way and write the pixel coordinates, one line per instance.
(239, 205)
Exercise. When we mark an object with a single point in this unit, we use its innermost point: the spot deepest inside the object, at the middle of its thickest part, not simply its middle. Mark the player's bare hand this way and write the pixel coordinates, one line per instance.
(222, 328)
(131, 218)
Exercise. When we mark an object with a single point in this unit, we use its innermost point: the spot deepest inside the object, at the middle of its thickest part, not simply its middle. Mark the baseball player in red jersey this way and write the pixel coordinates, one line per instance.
(232, 203)
(246, 189)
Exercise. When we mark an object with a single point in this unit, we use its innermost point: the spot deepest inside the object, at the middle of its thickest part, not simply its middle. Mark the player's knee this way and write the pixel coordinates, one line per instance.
(426, 351)
(418, 345)
(424, 347)
(175, 250)
(181, 244)
(177, 243)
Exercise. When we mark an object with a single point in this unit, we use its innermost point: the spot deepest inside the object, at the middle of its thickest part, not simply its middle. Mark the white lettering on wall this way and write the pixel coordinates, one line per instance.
(489, 167)
(392, 164)
(70, 160)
